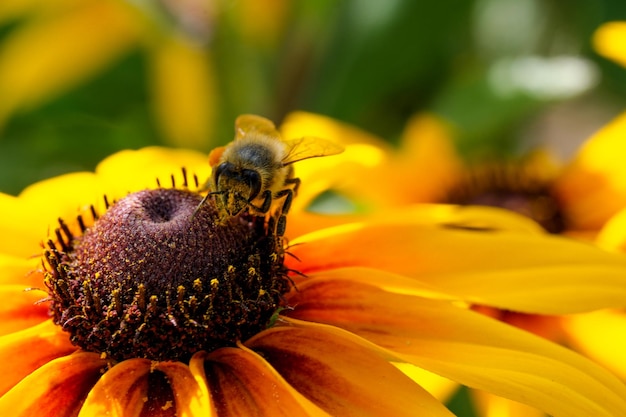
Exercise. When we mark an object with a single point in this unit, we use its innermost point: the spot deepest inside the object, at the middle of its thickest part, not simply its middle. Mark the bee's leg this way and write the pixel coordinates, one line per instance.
(295, 182)
(281, 223)
(267, 203)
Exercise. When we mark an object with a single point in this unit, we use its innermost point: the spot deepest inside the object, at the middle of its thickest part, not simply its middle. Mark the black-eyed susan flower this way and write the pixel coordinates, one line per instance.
(576, 198)
(157, 312)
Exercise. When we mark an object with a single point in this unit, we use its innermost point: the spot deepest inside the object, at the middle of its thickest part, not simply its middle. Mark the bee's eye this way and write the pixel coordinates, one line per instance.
(253, 179)
(221, 168)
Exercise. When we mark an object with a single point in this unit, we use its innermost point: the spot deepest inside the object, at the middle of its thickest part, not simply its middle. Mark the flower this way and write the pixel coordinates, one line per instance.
(368, 297)
(574, 199)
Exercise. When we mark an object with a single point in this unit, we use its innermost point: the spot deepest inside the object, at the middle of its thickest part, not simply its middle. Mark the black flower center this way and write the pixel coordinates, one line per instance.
(512, 188)
(151, 279)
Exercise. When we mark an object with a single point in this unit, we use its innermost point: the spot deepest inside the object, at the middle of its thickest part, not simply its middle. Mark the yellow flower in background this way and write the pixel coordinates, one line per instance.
(386, 291)
(57, 46)
(578, 197)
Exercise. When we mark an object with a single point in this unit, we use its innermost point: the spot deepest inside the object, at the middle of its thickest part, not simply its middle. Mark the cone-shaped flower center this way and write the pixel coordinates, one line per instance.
(151, 279)
(513, 189)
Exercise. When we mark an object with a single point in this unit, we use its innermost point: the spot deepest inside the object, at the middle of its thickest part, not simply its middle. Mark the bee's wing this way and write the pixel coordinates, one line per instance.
(215, 155)
(310, 147)
(250, 123)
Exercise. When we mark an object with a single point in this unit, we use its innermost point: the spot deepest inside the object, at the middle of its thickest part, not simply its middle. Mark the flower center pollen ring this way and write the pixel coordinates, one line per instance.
(148, 279)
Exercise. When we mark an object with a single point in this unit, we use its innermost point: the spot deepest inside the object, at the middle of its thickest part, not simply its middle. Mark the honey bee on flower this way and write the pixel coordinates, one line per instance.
(255, 171)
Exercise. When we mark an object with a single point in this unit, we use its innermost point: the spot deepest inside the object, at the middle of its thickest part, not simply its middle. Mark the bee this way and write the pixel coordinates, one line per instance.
(255, 171)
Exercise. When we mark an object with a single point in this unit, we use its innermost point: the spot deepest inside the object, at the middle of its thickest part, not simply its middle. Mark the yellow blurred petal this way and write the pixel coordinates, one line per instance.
(461, 345)
(613, 234)
(610, 41)
(428, 164)
(342, 377)
(494, 406)
(184, 92)
(440, 387)
(48, 56)
(601, 335)
(18, 8)
(593, 186)
(349, 172)
(56, 389)
(28, 350)
(514, 270)
(261, 23)
(130, 170)
(299, 124)
(243, 384)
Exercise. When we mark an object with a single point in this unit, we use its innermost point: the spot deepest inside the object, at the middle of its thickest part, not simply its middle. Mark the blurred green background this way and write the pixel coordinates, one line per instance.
(81, 79)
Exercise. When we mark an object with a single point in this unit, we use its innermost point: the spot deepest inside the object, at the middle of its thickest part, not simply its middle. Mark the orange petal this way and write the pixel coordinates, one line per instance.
(27, 350)
(57, 389)
(20, 309)
(243, 384)
(341, 376)
(462, 345)
(516, 270)
(593, 186)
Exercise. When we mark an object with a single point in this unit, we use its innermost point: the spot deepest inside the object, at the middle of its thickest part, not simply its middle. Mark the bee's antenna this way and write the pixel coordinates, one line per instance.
(204, 201)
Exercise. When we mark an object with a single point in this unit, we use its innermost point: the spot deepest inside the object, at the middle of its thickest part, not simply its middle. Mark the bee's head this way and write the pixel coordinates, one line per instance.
(236, 187)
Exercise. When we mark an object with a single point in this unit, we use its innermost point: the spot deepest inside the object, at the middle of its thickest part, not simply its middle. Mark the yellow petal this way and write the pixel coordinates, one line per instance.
(613, 234)
(15, 270)
(601, 335)
(515, 270)
(428, 164)
(20, 309)
(341, 376)
(593, 186)
(190, 395)
(464, 346)
(65, 197)
(184, 92)
(299, 124)
(494, 406)
(24, 227)
(125, 390)
(610, 41)
(121, 391)
(70, 48)
(130, 170)
(243, 384)
(29, 349)
(56, 389)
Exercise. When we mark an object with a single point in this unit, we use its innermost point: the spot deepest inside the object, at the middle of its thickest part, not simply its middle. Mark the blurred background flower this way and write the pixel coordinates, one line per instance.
(80, 79)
